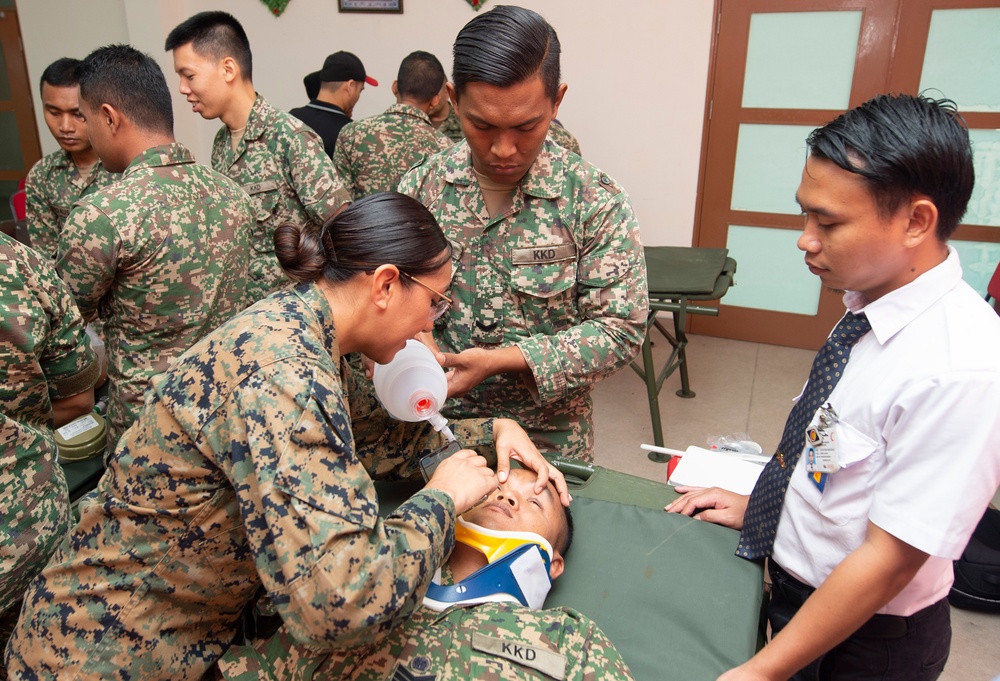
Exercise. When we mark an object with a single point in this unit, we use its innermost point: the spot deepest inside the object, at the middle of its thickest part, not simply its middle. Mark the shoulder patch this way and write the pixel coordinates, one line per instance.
(609, 184)
(420, 162)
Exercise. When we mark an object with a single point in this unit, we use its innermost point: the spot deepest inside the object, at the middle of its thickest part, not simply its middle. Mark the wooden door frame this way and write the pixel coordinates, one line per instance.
(907, 68)
(891, 39)
(719, 145)
(22, 102)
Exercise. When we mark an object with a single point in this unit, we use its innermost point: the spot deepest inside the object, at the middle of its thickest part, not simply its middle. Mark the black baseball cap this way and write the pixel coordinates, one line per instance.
(341, 66)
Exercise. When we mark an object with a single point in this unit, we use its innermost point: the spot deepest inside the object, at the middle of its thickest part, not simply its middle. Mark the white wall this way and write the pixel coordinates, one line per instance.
(51, 29)
(637, 72)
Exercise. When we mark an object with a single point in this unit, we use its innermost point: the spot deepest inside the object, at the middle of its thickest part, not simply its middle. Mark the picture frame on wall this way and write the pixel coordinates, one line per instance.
(387, 6)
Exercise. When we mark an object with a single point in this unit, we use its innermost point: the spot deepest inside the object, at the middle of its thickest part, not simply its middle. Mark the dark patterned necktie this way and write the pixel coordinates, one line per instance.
(764, 508)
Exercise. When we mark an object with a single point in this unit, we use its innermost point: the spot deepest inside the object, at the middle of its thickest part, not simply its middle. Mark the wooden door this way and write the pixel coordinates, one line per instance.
(780, 69)
(19, 147)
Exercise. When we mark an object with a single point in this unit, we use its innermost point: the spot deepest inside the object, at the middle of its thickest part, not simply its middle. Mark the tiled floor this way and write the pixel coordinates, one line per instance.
(745, 388)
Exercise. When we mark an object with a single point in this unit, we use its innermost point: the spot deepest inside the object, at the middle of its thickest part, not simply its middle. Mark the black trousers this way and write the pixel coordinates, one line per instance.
(885, 648)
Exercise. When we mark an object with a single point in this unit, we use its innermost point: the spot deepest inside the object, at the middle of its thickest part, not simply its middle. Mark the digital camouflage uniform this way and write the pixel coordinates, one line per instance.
(281, 164)
(242, 472)
(498, 641)
(45, 355)
(53, 185)
(161, 257)
(373, 154)
(561, 275)
(451, 127)
(564, 138)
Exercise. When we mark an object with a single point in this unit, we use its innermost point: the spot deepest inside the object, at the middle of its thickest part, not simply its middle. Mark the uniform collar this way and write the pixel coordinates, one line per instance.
(545, 178)
(63, 159)
(896, 309)
(163, 155)
(313, 297)
(401, 109)
(259, 121)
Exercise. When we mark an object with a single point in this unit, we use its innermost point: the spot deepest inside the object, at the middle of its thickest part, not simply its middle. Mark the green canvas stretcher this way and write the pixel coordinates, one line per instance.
(666, 589)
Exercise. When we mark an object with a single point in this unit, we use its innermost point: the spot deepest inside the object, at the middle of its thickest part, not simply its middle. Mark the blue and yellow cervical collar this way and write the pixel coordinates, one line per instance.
(518, 570)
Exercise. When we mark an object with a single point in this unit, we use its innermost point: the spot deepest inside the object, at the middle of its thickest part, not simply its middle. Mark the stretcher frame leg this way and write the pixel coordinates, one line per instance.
(678, 356)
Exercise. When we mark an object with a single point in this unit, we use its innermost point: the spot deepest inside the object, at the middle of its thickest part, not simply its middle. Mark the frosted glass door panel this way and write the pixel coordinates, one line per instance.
(801, 60)
(769, 162)
(772, 273)
(984, 206)
(962, 61)
(979, 262)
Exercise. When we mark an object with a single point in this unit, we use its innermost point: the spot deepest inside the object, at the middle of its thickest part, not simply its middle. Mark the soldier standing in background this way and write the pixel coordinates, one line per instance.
(161, 256)
(63, 176)
(550, 281)
(276, 158)
(373, 154)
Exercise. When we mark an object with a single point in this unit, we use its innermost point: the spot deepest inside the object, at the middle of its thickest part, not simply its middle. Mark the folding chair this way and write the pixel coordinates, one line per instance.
(676, 277)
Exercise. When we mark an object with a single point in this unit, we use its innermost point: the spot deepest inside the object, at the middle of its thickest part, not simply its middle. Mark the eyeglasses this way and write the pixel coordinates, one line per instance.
(438, 308)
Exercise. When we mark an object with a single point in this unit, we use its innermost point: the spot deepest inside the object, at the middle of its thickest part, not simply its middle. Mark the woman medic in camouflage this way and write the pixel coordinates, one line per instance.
(251, 466)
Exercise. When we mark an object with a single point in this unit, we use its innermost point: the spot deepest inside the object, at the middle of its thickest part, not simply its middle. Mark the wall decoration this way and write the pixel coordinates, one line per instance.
(389, 6)
(276, 6)
(476, 4)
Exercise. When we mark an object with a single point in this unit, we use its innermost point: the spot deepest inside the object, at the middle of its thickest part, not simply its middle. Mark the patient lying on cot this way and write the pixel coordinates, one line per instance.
(482, 614)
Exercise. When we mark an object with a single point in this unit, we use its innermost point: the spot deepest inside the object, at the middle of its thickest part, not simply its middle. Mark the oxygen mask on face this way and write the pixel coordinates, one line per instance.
(413, 387)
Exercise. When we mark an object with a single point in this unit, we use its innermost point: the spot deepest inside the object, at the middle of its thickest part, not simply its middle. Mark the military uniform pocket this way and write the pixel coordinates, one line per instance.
(266, 198)
(545, 289)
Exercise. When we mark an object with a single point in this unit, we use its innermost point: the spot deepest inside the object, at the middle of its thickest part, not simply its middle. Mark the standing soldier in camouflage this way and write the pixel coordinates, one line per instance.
(373, 154)
(563, 137)
(450, 127)
(550, 282)
(277, 159)
(243, 472)
(60, 178)
(161, 255)
(47, 375)
(494, 638)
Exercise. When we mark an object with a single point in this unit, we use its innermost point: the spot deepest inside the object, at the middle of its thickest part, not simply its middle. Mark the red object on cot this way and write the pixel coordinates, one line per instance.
(671, 465)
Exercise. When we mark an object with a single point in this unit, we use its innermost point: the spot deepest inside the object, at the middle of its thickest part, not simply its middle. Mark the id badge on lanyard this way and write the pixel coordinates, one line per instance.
(821, 446)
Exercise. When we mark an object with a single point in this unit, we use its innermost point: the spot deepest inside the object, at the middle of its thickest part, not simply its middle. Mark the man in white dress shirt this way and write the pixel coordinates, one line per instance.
(862, 559)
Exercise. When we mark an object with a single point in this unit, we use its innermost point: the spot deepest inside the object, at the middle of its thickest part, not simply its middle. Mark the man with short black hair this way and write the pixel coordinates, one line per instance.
(62, 177)
(374, 153)
(161, 255)
(550, 280)
(860, 560)
(277, 159)
(341, 81)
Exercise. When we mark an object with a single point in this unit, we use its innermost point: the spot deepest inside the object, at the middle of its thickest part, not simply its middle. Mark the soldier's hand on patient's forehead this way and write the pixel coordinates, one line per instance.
(465, 477)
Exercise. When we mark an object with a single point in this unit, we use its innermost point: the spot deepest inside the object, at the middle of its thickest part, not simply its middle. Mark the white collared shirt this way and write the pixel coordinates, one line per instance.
(918, 438)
